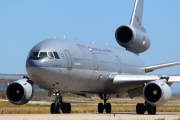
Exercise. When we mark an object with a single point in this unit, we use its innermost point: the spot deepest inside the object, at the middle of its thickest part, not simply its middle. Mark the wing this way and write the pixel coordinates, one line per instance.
(139, 81)
(145, 78)
(154, 67)
(6, 78)
(134, 78)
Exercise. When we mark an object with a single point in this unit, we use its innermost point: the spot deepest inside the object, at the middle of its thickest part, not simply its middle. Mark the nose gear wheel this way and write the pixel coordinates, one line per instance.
(106, 106)
(59, 105)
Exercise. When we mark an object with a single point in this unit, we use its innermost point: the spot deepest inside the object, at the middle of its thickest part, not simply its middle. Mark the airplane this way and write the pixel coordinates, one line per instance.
(68, 66)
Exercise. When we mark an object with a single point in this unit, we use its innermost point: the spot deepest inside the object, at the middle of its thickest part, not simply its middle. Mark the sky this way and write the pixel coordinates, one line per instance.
(24, 23)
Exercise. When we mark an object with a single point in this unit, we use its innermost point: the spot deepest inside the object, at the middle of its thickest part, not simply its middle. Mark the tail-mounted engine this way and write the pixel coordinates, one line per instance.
(19, 92)
(132, 39)
(157, 92)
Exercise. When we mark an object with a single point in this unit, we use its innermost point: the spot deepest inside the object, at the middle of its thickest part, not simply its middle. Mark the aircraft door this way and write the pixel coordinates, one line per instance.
(118, 64)
(68, 59)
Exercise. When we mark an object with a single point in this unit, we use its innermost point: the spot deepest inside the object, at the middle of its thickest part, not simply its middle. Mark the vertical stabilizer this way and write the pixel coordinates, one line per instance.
(136, 19)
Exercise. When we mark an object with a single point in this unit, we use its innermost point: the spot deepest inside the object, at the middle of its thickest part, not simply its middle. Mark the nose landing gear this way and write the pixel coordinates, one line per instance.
(59, 105)
(106, 106)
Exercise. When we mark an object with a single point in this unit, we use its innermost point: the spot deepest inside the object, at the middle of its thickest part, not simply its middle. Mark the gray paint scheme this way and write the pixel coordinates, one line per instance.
(136, 20)
(86, 68)
(90, 68)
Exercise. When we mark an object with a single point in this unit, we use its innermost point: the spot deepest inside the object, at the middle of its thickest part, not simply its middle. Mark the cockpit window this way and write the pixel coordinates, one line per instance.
(39, 55)
(35, 54)
(43, 54)
(56, 55)
(50, 54)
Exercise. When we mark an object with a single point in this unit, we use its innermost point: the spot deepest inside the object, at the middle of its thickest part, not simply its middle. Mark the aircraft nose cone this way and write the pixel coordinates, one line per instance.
(36, 63)
(31, 63)
(35, 67)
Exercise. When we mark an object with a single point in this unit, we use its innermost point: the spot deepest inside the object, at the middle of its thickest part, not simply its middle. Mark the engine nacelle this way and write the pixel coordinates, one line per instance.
(19, 92)
(157, 92)
(132, 39)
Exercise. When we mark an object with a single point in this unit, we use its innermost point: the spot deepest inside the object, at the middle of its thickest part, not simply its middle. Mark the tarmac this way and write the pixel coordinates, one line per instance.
(92, 116)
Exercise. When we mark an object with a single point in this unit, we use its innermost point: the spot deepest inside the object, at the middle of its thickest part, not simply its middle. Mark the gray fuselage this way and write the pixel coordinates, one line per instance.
(81, 67)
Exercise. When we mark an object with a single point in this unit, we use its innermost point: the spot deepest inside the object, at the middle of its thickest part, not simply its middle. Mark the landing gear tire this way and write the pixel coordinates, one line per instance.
(59, 104)
(55, 108)
(151, 109)
(108, 107)
(140, 108)
(69, 107)
(66, 108)
(100, 107)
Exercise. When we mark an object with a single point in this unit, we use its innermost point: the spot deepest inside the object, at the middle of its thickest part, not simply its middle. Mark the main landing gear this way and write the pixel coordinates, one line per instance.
(141, 108)
(106, 106)
(60, 105)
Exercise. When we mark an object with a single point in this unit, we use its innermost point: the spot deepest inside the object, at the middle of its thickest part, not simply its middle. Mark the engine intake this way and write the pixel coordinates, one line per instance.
(19, 92)
(157, 93)
(132, 39)
(124, 35)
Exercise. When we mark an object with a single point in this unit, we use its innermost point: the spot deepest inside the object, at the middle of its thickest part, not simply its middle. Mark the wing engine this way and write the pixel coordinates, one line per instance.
(157, 92)
(19, 92)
